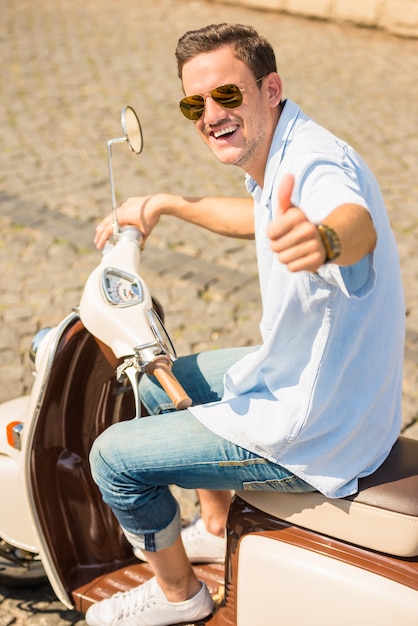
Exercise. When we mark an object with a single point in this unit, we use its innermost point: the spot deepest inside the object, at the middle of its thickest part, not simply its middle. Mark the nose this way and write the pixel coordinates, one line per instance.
(213, 112)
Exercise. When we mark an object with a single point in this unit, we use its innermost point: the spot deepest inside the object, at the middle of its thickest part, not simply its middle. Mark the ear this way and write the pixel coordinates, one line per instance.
(275, 89)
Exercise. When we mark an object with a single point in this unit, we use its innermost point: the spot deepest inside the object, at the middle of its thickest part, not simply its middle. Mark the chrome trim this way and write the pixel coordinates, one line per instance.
(17, 431)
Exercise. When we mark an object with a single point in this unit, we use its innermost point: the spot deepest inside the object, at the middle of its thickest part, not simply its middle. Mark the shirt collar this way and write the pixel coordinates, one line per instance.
(281, 136)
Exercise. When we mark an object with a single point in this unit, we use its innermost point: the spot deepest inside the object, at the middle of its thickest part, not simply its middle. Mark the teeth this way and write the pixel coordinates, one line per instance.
(225, 131)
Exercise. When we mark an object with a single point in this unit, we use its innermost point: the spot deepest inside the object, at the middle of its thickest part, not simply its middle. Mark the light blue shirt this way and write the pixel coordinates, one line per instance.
(322, 395)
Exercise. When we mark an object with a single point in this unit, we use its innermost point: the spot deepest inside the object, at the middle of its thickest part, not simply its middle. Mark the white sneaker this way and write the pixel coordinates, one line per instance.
(200, 545)
(147, 605)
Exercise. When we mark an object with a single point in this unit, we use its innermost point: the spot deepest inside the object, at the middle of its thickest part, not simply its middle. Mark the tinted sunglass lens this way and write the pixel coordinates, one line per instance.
(192, 107)
(192, 112)
(229, 96)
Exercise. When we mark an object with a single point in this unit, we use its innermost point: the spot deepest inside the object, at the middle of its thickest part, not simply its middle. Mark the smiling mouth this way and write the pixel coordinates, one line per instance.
(225, 132)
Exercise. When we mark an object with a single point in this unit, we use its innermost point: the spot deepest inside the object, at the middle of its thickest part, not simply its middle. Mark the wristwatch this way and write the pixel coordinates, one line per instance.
(331, 241)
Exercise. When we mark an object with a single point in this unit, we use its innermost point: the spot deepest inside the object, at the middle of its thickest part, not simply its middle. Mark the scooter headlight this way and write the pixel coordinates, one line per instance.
(36, 342)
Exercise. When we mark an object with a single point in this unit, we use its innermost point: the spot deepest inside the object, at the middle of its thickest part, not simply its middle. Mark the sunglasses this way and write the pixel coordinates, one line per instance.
(229, 96)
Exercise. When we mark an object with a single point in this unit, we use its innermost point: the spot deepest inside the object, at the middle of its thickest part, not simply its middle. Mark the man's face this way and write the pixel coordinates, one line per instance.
(240, 136)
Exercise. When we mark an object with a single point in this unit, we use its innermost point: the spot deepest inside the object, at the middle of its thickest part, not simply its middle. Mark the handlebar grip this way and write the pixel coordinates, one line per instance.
(160, 367)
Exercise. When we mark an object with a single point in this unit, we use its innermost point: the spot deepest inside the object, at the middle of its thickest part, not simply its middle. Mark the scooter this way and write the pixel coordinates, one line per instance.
(87, 370)
(293, 559)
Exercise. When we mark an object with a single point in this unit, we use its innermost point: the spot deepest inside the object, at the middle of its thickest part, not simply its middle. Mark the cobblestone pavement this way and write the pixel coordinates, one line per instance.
(68, 68)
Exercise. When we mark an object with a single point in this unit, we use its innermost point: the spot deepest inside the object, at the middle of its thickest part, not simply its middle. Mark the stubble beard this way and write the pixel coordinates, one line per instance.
(253, 147)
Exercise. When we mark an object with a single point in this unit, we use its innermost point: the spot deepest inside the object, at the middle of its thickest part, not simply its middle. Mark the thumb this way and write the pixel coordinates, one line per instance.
(285, 193)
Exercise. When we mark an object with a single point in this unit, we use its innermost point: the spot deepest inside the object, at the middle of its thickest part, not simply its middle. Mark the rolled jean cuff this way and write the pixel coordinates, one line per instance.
(153, 542)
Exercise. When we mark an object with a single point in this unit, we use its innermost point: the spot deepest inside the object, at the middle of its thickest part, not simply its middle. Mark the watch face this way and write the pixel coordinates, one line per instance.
(335, 243)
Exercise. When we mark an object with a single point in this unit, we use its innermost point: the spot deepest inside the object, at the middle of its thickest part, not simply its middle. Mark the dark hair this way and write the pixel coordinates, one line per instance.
(251, 48)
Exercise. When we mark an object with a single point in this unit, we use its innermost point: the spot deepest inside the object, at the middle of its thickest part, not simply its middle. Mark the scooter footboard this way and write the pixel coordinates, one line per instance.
(131, 576)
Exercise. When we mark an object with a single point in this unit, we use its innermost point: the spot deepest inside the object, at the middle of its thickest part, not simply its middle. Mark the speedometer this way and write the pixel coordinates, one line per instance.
(121, 288)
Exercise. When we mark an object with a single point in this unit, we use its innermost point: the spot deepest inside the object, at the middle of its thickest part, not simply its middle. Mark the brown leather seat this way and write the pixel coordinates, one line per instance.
(382, 516)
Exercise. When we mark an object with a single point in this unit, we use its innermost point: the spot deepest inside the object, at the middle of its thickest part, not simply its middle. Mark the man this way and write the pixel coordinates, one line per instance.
(318, 404)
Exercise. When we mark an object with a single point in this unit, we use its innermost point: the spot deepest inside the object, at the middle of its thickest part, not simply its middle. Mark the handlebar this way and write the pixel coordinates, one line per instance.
(160, 367)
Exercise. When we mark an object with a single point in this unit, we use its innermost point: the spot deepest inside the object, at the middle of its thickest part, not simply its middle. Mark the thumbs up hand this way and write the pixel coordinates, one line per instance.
(292, 236)
(285, 193)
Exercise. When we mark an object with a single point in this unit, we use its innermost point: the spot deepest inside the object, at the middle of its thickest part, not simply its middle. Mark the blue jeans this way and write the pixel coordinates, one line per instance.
(134, 462)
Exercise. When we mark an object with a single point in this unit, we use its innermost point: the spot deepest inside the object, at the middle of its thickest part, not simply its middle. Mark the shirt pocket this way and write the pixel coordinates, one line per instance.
(294, 302)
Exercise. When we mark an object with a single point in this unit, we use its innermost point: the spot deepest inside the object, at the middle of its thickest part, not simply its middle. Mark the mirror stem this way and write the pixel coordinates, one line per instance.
(112, 184)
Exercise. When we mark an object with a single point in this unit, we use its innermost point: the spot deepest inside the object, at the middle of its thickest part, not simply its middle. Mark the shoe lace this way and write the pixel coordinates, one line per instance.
(134, 601)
